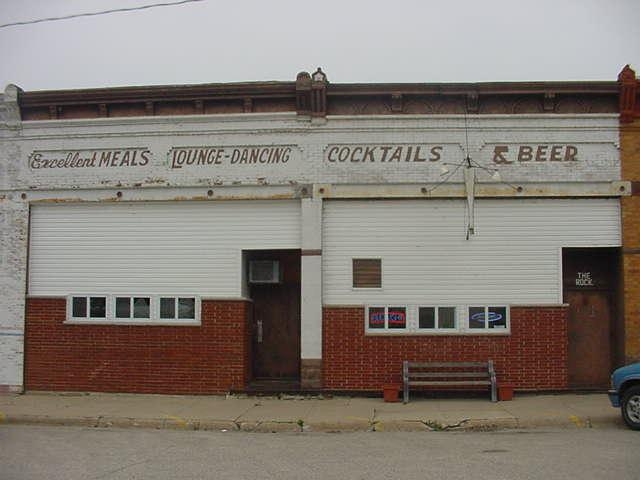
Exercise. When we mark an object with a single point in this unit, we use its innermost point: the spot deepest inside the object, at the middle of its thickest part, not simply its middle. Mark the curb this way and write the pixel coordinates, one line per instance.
(175, 423)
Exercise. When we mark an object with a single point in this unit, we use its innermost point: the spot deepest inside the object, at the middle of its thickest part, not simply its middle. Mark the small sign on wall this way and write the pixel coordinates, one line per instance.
(584, 279)
(590, 268)
(376, 317)
(397, 317)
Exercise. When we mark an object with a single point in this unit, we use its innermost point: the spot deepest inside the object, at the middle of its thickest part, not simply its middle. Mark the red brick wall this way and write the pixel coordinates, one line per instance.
(211, 358)
(532, 357)
(630, 158)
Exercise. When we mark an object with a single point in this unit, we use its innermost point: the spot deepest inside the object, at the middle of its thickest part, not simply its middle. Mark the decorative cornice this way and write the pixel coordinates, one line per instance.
(157, 93)
(311, 95)
(487, 88)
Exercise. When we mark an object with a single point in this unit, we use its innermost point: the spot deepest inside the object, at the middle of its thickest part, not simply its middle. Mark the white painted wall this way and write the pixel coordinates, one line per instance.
(154, 248)
(514, 258)
(311, 280)
(14, 218)
(595, 136)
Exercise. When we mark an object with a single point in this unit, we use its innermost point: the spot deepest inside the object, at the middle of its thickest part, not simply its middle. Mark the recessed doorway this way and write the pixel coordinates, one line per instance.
(591, 279)
(273, 281)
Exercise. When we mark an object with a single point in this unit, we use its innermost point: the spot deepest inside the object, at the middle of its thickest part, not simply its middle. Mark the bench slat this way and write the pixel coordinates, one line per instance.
(447, 374)
(455, 382)
(449, 365)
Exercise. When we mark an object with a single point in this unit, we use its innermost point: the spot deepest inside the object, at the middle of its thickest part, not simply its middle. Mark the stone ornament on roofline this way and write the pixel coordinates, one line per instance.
(628, 92)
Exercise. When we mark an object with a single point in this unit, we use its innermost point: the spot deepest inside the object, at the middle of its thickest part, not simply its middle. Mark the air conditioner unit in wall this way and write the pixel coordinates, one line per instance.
(264, 271)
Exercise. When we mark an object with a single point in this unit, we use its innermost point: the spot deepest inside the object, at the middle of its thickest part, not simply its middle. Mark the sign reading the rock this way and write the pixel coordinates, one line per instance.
(583, 279)
(82, 159)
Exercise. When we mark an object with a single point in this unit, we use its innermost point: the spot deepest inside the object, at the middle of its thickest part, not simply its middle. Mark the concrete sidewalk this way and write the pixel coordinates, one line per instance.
(306, 413)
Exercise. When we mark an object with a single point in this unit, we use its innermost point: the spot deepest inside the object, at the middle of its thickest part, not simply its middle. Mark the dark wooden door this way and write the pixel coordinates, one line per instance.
(276, 319)
(589, 359)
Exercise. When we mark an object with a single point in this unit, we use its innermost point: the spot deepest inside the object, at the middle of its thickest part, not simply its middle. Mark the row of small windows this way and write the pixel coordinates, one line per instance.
(437, 318)
(132, 308)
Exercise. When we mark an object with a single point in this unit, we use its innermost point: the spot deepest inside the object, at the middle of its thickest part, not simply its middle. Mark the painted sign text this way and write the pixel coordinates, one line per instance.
(382, 153)
(112, 158)
(181, 157)
(507, 154)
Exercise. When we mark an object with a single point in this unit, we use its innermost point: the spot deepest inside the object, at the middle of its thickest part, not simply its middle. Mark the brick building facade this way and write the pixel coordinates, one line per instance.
(311, 235)
(630, 161)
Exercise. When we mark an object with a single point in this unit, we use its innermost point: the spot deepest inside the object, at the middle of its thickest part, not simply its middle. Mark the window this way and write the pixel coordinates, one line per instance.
(367, 272)
(89, 307)
(391, 318)
(127, 309)
(436, 318)
(397, 317)
(487, 318)
(180, 308)
(133, 307)
(377, 317)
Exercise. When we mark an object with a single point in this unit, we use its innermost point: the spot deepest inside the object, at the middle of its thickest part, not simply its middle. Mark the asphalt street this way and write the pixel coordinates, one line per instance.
(40, 452)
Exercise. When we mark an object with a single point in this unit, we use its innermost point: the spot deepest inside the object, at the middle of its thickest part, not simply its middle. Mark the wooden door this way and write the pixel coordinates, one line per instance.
(589, 353)
(276, 319)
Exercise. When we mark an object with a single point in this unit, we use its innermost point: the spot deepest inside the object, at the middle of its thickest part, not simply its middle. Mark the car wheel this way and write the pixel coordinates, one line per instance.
(631, 407)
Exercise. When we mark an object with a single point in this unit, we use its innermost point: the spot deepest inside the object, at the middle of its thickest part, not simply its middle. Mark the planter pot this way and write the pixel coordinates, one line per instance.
(390, 392)
(505, 392)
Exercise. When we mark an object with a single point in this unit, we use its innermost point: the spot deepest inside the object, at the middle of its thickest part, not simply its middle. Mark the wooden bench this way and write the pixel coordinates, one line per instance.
(448, 374)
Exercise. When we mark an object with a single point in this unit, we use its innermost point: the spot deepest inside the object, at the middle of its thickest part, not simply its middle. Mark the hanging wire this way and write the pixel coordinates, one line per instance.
(446, 179)
(104, 12)
(491, 171)
(469, 163)
(471, 229)
(473, 163)
(470, 209)
(466, 128)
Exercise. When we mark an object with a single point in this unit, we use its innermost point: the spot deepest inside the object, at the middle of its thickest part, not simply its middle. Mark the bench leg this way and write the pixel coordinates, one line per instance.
(405, 382)
(494, 382)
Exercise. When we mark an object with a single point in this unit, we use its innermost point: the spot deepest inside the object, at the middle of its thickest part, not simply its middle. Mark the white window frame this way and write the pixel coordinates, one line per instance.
(486, 329)
(413, 320)
(88, 316)
(437, 328)
(176, 298)
(387, 329)
(131, 317)
(154, 311)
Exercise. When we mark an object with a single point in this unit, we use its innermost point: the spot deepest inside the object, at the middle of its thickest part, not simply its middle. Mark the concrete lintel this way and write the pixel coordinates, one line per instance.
(483, 190)
(161, 193)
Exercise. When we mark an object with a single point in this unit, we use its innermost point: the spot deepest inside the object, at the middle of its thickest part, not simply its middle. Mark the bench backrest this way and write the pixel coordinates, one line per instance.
(415, 370)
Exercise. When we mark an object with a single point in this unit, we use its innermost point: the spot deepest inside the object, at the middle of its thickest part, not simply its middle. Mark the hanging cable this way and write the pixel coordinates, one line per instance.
(446, 179)
(104, 12)
(470, 180)
(466, 128)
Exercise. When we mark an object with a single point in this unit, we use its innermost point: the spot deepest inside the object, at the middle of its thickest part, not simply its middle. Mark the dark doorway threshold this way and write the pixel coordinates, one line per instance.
(276, 386)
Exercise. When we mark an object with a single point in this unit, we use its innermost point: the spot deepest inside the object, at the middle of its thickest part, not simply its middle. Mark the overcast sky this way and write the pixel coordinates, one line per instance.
(353, 41)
